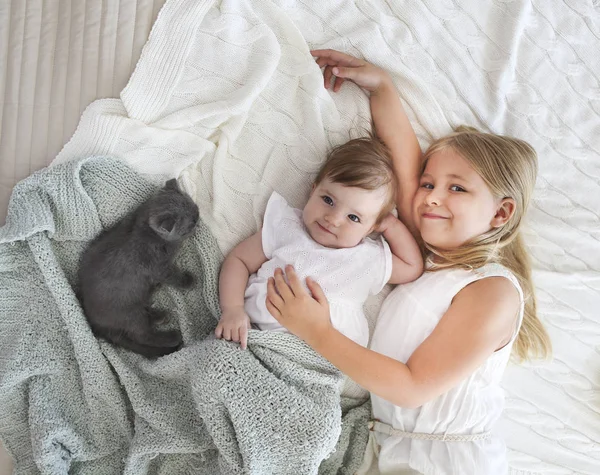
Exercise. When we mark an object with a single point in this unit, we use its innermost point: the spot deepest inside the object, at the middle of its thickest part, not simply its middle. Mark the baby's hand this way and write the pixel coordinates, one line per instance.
(343, 66)
(386, 222)
(233, 325)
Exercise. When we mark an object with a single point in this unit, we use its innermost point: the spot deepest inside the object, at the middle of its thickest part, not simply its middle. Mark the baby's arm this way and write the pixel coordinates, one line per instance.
(245, 259)
(407, 261)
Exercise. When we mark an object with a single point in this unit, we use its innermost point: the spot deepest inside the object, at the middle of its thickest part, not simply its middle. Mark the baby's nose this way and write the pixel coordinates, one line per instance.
(335, 219)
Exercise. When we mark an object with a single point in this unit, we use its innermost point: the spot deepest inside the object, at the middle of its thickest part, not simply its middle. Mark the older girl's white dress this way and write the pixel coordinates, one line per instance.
(408, 316)
(347, 276)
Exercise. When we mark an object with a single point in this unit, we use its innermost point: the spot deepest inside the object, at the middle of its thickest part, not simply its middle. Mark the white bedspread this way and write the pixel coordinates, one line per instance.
(227, 98)
(55, 58)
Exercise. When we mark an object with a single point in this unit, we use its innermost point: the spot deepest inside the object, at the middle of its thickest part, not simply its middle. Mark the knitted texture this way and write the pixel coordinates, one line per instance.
(69, 402)
(237, 109)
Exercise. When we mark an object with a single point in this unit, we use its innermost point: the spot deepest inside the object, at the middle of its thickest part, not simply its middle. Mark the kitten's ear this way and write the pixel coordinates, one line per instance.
(163, 225)
(172, 184)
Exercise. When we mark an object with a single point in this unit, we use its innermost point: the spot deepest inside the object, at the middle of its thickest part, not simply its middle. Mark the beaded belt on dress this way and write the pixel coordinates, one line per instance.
(378, 426)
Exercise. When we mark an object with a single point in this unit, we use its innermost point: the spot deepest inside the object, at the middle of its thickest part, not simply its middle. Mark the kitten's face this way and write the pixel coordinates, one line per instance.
(172, 213)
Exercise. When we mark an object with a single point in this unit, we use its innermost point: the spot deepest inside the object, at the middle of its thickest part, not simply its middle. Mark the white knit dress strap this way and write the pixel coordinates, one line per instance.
(493, 270)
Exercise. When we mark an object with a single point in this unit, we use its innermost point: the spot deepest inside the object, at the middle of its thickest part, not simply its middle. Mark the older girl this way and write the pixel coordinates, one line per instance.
(441, 343)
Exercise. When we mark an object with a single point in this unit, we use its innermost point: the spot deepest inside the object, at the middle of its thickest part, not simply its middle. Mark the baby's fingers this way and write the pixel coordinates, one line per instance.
(244, 337)
(219, 330)
(235, 334)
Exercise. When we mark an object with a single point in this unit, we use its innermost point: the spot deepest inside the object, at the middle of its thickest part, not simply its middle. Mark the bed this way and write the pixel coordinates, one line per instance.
(229, 119)
(56, 58)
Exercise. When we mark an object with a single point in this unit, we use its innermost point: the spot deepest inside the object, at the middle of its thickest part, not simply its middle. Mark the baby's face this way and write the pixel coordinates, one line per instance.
(340, 216)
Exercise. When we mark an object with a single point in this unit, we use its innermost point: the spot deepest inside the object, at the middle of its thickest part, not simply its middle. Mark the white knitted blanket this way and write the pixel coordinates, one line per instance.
(227, 98)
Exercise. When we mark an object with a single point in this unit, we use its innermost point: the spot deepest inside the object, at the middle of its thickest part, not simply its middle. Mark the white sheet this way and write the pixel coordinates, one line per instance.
(55, 58)
(236, 108)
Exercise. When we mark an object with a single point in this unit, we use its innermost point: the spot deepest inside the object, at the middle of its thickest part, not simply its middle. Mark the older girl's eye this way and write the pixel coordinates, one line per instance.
(457, 188)
(354, 218)
(327, 200)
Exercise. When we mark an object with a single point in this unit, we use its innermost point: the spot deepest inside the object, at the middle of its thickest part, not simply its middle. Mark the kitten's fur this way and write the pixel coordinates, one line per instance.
(122, 267)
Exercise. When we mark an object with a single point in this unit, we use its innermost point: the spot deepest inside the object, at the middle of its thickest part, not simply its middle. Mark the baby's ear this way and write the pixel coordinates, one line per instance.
(163, 225)
(172, 184)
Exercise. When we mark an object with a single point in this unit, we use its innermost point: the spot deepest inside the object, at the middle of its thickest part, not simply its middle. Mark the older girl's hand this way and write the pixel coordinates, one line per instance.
(293, 307)
(343, 66)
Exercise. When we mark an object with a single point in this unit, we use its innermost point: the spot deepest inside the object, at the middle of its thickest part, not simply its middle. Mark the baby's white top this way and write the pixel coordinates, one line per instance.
(348, 276)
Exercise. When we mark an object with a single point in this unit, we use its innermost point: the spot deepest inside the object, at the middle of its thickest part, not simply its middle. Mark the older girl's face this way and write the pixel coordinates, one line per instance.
(453, 204)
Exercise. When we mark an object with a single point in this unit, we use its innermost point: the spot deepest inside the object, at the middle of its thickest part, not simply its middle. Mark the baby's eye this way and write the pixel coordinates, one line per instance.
(327, 200)
(428, 186)
(354, 218)
(457, 188)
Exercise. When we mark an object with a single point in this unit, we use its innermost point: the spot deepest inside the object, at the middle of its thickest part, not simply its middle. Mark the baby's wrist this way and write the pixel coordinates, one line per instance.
(231, 306)
(231, 309)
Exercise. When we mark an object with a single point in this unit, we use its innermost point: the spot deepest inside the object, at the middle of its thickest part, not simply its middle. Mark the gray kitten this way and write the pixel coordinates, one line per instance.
(122, 267)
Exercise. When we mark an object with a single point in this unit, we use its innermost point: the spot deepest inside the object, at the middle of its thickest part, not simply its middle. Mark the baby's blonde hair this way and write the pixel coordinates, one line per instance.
(509, 168)
(363, 163)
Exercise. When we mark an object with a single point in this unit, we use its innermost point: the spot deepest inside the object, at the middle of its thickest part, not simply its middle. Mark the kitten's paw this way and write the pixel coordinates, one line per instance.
(168, 350)
(158, 316)
(171, 338)
(187, 280)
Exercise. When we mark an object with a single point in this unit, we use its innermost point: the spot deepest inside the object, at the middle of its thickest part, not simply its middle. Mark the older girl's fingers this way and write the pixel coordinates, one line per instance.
(316, 291)
(337, 56)
(327, 75)
(282, 287)
(272, 294)
(294, 281)
(322, 62)
(273, 310)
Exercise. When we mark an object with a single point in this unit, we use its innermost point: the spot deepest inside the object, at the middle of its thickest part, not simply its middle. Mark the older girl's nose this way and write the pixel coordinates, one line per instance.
(434, 197)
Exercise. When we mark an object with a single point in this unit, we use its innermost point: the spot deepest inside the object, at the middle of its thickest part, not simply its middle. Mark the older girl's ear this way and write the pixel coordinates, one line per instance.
(504, 212)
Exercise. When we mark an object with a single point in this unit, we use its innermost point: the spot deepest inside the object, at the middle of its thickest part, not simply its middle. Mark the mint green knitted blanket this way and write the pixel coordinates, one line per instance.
(70, 403)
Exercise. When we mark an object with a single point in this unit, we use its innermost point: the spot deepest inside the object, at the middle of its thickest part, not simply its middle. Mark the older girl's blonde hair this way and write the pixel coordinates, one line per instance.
(509, 168)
